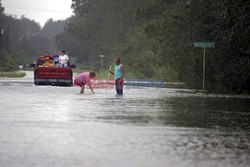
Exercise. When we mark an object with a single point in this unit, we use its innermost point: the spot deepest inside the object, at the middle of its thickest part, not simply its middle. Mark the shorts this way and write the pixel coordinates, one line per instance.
(79, 83)
(64, 65)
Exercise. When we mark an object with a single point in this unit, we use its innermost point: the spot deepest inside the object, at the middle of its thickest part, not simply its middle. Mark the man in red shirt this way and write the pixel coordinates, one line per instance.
(41, 60)
(46, 56)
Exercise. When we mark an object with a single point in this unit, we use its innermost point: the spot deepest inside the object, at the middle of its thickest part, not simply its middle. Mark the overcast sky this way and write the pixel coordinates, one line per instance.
(39, 10)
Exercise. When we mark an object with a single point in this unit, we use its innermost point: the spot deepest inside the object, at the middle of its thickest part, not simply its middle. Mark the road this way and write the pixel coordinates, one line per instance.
(147, 127)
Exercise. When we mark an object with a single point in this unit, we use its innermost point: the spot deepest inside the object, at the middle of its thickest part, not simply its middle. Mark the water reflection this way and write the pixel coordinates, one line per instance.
(178, 111)
(146, 127)
(200, 112)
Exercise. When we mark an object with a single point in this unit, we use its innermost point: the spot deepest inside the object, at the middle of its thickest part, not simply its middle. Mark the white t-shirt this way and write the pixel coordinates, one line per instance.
(63, 59)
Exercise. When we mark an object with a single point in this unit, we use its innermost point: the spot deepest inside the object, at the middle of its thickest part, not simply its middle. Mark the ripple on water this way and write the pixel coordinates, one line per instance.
(56, 126)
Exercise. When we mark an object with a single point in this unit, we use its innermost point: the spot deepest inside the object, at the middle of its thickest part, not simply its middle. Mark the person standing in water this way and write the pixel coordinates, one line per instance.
(84, 78)
(119, 74)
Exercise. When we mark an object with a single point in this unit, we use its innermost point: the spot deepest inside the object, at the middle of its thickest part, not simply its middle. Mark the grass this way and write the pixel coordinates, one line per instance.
(104, 74)
(129, 73)
(99, 74)
(12, 74)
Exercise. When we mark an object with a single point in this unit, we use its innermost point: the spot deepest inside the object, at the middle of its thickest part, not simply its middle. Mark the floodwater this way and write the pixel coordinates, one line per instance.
(58, 127)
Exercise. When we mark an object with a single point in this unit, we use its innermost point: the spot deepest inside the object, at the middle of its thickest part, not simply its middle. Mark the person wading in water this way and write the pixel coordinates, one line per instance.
(84, 78)
(118, 73)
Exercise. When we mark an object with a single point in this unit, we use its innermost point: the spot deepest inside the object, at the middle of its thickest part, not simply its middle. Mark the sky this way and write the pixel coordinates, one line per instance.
(39, 10)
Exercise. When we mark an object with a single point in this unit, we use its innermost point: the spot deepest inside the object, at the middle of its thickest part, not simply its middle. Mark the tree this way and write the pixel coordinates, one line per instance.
(100, 25)
(178, 24)
(155, 39)
(1, 22)
(50, 30)
(7, 63)
(1, 8)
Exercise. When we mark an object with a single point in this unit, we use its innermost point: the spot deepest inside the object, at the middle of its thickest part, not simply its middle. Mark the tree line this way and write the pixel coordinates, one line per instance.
(23, 40)
(154, 38)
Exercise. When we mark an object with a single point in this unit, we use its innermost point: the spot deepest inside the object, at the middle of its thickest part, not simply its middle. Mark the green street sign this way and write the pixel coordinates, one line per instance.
(204, 44)
(101, 56)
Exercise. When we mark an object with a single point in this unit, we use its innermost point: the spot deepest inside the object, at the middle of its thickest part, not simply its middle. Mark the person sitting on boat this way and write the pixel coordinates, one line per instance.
(63, 59)
(55, 59)
(84, 78)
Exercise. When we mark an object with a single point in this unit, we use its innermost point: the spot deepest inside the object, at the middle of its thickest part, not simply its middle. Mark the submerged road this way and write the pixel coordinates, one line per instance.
(147, 127)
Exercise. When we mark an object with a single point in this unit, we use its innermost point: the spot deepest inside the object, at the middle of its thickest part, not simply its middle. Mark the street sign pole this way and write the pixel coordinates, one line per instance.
(0, 36)
(101, 63)
(204, 45)
(101, 56)
(204, 69)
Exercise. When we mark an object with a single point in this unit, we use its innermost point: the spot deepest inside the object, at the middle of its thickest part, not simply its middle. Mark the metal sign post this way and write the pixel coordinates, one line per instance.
(1, 32)
(101, 56)
(204, 45)
(204, 69)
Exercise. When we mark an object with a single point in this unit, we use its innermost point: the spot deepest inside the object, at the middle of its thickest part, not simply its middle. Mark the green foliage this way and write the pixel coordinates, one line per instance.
(1, 8)
(27, 35)
(50, 30)
(10, 62)
(166, 72)
(228, 65)
(7, 62)
(154, 39)
(176, 25)
(20, 58)
(19, 32)
(99, 27)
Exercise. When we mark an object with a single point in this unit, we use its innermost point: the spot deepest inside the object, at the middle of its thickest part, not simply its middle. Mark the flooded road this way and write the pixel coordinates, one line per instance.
(58, 127)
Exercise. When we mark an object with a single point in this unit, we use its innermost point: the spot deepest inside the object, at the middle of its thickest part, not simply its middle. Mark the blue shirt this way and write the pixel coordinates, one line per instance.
(55, 58)
(118, 71)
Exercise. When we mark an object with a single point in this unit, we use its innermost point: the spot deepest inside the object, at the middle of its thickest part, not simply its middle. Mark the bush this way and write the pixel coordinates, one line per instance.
(9, 62)
(6, 61)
